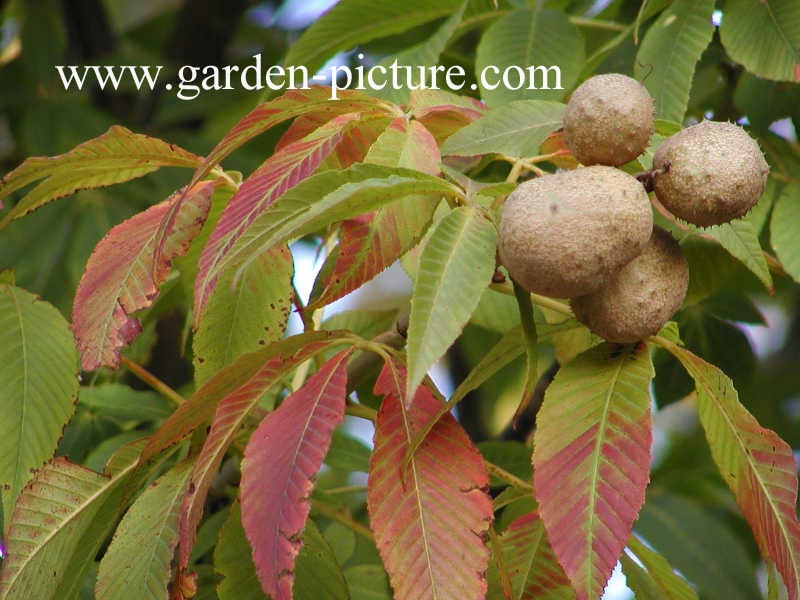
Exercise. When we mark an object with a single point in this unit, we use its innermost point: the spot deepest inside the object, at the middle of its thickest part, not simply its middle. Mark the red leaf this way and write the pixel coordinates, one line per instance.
(432, 520)
(279, 172)
(280, 463)
(232, 409)
(370, 243)
(591, 459)
(122, 275)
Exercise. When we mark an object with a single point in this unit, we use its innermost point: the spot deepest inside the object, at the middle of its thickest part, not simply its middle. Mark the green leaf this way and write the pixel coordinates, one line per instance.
(544, 40)
(757, 465)
(123, 403)
(116, 156)
(670, 51)
(39, 375)
(137, 562)
(325, 198)
(243, 318)
(691, 538)
(516, 129)
(764, 36)
(368, 582)
(318, 576)
(353, 22)
(233, 560)
(740, 239)
(651, 576)
(425, 55)
(347, 453)
(514, 457)
(783, 229)
(455, 267)
(59, 523)
(591, 459)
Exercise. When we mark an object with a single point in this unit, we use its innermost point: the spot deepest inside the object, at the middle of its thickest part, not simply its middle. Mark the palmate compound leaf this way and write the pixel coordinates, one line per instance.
(116, 156)
(329, 197)
(430, 515)
(369, 243)
(234, 391)
(281, 171)
(591, 459)
(294, 103)
(757, 465)
(455, 267)
(122, 275)
(529, 564)
(61, 519)
(39, 375)
(137, 563)
(280, 464)
(670, 51)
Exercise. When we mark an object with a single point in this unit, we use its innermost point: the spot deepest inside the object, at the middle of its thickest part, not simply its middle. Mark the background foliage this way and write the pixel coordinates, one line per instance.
(127, 479)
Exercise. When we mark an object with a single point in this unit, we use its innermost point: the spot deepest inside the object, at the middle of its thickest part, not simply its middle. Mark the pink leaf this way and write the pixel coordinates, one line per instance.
(430, 519)
(591, 459)
(233, 408)
(279, 172)
(122, 276)
(280, 463)
(370, 243)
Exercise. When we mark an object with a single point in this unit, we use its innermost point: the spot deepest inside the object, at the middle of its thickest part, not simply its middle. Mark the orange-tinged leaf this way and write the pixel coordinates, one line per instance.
(757, 465)
(430, 520)
(279, 172)
(370, 243)
(591, 459)
(280, 463)
(116, 156)
(529, 562)
(231, 411)
(444, 113)
(122, 275)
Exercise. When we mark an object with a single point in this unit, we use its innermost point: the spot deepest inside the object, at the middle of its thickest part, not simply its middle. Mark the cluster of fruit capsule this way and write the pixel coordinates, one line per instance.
(588, 235)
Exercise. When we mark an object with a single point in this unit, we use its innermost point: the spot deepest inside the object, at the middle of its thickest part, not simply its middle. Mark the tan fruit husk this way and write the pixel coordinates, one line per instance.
(716, 172)
(641, 297)
(565, 234)
(609, 120)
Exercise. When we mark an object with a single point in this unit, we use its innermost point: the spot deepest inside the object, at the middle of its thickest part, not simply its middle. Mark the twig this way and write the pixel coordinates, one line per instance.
(343, 518)
(501, 473)
(153, 381)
